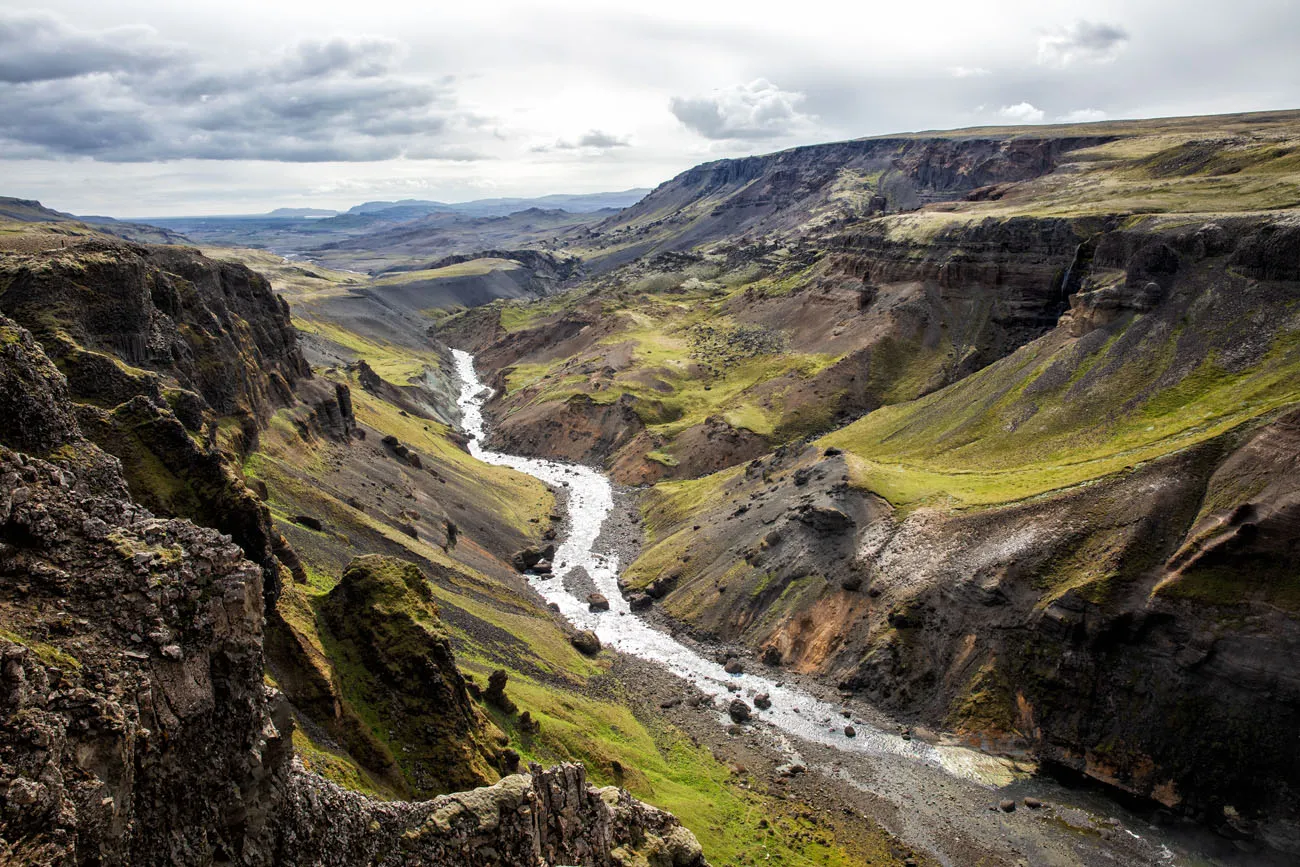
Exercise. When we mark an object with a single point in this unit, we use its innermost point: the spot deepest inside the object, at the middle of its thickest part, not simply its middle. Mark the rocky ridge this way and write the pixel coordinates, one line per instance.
(139, 728)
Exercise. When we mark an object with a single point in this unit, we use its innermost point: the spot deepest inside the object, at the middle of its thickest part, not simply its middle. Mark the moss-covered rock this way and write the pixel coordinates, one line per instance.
(395, 667)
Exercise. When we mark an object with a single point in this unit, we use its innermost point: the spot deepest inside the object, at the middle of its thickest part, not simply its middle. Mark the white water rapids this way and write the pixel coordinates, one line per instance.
(590, 500)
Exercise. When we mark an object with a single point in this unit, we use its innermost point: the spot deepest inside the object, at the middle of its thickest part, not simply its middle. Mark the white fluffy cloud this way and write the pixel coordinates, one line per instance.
(754, 111)
(1082, 41)
(969, 72)
(1022, 112)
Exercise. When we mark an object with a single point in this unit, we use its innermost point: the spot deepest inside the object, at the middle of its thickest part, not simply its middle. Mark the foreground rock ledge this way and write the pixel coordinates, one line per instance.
(542, 817)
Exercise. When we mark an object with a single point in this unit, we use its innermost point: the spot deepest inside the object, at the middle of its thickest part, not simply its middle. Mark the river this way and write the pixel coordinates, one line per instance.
(799, 722)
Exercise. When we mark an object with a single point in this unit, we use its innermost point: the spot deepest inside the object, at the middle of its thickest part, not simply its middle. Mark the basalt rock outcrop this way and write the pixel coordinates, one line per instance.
(784, 192)
(138, 728)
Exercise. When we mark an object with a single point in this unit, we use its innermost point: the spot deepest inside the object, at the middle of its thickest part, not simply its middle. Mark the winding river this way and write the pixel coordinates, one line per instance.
(909, 772)
(590, 499)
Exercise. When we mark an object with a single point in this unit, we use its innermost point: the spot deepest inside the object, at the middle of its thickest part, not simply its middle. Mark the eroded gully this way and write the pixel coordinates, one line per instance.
(941, 792)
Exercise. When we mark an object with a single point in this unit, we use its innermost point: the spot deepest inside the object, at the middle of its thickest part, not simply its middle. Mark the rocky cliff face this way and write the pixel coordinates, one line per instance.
(818, 185)
(1139, 625)
(175, 362)
(137, 725)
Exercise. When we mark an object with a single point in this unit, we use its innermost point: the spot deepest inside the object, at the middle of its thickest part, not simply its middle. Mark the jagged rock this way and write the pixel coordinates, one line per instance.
(166, 310)
(587, 642)
(496, 691)
(35, 411)
(762, 701)
(662, 586)
(152, 728)
(528, 820)
(640, 601)
(329, 409)
(771, 656)
(366, 376)
(393, 657)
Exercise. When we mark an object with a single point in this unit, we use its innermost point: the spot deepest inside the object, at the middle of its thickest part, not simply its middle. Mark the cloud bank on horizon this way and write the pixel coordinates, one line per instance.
(150, 108)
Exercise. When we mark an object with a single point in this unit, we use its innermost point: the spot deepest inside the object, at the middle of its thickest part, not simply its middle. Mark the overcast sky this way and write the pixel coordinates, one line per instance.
(154, 107)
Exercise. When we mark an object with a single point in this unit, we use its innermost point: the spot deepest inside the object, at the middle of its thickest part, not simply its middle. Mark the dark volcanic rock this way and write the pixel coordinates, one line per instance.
(738, 711)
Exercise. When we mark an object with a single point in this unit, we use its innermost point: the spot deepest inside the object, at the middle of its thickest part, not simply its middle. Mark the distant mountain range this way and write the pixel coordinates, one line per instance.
(581, 203)
(584, 203)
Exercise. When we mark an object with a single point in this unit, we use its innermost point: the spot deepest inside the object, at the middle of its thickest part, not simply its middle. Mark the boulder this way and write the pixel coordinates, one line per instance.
(309, 522)
(529, 557)
(738, 711)
(587, 642)
(734, 666)
(597, 602)
(762, 701)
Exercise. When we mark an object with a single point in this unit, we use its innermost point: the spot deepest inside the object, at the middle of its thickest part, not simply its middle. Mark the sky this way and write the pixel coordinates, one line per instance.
(139, 108)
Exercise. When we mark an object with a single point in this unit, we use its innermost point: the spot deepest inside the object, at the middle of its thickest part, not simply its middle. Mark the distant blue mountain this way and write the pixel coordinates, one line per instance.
(581, 203)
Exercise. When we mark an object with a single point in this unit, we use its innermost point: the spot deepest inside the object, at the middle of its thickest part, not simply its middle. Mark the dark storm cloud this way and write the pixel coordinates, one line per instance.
(122, 96)
(35, 46)
(749, 112)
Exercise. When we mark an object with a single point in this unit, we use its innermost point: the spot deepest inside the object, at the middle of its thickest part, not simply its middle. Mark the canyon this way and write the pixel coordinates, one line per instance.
(973, 454)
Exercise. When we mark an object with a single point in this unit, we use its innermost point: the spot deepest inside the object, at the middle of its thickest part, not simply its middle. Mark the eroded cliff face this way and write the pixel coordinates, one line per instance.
(138, 727)
(956, 560)
(175, 363)
(788, 192)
